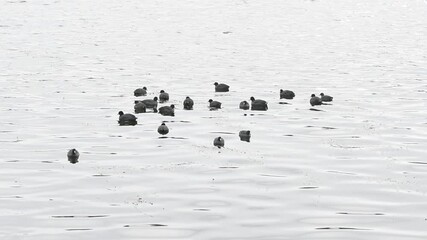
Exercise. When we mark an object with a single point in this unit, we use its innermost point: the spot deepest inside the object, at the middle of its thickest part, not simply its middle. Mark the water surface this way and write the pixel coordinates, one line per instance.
(356, 169)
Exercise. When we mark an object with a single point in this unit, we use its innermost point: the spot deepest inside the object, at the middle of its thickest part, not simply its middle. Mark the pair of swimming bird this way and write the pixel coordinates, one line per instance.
(163, 97)
(314, 101)
(244, 135)
(257, 104)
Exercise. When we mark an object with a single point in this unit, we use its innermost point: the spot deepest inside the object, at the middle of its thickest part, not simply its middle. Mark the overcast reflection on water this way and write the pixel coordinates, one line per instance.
(353, 169)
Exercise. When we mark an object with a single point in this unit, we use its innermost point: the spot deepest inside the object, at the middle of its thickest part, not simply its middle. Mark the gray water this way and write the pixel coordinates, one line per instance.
(356, 169)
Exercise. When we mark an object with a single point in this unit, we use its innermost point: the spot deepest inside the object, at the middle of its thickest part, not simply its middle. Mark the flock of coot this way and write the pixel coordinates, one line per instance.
(141, 106)
(255, 104)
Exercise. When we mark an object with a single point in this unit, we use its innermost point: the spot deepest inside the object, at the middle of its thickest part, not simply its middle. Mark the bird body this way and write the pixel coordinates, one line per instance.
(73, 156)
(315, 100)
(325, 98)
(258, 104)
(140, 107)
(167, 110)
(140, 92)
(214, 104)
(164, 96)
(127, 119)
(245, 135)
(188, 103)
(286, 94)
(149, 103)
(244, 105)
(221, 87)
(219, 142)
(163, 129)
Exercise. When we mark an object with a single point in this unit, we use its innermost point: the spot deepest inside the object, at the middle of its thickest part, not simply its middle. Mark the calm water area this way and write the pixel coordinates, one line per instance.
(353, 169)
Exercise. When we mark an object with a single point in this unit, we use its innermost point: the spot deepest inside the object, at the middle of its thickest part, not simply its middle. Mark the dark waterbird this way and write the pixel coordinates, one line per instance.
(73, 156)
(163, 129)
(167, 110)
(214, 104)
(325, 98)
(314, 101)
(221, 87)
(286, 94)
(188, 103)
(127, 119)
(244, 105)
(140, 92)
(149, 103)
(140, 107)
(219, 142)
(245, 135)
(258, 104)
(164, 96)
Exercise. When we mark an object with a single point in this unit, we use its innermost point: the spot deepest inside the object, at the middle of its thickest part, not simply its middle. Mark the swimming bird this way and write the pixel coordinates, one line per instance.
(188, 103)
(219, 142)
(286, 94)
(149, 103)
(140, 107)
(73, 156)
(163, 129)
(127, 119)
(214, 104)
(245, 135)
(258, 104)
(164, 96)
(221, 87)
(315, 100)
(325, 98)
(140, 92)
(244, 105)
(167, 110)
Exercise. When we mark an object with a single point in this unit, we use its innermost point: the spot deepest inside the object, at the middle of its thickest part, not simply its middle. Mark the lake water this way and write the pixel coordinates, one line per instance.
(357, 169)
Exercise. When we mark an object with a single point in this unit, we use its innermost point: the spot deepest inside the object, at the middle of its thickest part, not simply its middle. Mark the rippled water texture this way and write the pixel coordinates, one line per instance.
(355, 169)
